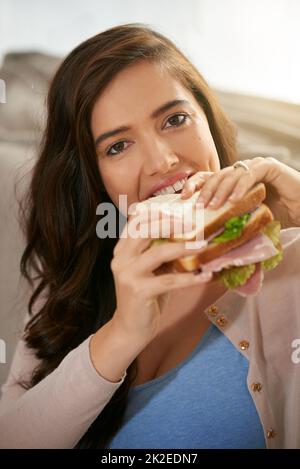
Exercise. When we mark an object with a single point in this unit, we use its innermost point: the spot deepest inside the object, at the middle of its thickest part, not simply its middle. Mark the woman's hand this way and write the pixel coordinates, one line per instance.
(282, 183)
(141, 294)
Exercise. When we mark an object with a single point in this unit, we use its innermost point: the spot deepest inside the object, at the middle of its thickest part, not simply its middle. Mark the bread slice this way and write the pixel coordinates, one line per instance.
(214, 219)
(259, 218)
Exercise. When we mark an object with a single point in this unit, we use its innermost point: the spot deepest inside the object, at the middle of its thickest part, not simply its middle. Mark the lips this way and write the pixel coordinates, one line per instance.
(168, 182)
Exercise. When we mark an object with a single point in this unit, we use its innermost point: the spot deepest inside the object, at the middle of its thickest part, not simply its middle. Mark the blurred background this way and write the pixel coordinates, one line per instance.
(248, 50)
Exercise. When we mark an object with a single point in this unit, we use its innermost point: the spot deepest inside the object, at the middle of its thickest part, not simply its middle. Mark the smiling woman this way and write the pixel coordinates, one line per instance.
(128, 114)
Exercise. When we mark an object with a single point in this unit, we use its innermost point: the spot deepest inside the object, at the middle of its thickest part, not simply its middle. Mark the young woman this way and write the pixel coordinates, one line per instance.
(105, 361)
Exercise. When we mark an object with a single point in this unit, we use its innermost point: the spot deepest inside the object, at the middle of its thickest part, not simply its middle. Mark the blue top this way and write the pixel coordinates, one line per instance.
(203, 402)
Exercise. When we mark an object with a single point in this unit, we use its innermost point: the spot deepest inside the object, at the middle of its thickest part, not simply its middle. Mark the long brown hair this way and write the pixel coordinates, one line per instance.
(63, 257)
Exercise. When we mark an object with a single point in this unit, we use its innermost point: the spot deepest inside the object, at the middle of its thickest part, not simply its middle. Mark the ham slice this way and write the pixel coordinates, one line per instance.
(253, 285)
(256, 250)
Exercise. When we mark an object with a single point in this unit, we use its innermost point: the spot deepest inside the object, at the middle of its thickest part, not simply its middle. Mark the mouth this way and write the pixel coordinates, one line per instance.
(174, 188)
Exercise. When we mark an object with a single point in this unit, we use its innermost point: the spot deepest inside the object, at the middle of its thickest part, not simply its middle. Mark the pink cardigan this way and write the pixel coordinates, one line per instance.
(57, 411)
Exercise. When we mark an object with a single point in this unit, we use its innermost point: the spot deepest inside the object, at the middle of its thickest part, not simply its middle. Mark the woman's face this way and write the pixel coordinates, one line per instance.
(154, 146)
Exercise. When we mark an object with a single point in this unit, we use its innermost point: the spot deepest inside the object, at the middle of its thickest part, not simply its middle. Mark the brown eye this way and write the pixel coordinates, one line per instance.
(118, 147)
(174, 119)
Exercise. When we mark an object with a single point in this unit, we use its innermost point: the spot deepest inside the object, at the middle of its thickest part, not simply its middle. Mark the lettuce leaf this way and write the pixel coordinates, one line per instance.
(269, 264)
(272, 230)
(235, 276)
(233, 228)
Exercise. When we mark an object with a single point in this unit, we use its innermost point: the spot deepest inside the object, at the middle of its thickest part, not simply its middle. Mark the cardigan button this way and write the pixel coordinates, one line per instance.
(271, 433)
(256, 387)
(221, 321)
(213, 310)
(244, 344)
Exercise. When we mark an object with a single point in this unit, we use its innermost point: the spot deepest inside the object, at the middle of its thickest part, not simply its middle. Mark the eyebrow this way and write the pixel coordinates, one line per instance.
(154, 114)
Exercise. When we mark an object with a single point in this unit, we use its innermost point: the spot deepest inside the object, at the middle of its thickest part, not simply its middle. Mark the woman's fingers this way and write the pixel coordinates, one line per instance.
(217, 187)
(231, 183)
(159, 254)
(160, 284)
(138, 233)
(229, 188)
(195, 183)
(259, 171)
(127, 243)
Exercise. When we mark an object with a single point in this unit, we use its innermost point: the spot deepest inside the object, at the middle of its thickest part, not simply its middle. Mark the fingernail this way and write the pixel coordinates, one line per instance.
(232, 196)
(199, 277)
(213, 201)
(183, 192)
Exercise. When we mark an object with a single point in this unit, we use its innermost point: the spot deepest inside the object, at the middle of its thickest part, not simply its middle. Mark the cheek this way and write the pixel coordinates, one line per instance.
(109, 180)
(115, 183)
(214, 162)
(205, 151)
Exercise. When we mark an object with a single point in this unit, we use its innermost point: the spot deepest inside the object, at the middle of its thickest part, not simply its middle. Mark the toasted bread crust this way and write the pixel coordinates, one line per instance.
(252, 199)
(212, 251)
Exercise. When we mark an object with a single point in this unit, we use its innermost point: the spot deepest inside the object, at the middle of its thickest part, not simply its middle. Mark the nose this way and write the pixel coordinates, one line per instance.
(158, 157)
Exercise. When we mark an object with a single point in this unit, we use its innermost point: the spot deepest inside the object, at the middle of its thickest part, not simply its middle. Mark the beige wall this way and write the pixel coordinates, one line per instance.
(265, 127)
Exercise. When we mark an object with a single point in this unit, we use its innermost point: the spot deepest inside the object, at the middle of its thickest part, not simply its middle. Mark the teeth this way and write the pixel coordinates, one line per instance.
(179, 185)
(171, 189)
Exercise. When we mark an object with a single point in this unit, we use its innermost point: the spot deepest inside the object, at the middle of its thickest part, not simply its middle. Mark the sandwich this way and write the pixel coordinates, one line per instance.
(240, 240)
